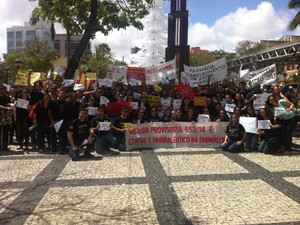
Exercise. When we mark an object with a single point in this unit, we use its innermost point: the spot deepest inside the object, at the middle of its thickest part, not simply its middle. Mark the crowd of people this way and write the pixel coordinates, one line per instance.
(33, 126)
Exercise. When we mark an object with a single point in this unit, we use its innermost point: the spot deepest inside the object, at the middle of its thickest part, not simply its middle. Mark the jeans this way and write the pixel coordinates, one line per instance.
(251, 141)
(103, 143)
(287, 127)
(120, 143)
(231, 146)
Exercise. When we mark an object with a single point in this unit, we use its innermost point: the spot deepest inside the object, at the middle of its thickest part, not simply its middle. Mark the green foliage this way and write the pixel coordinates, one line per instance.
(248, 47)
(295, 22)
(74, 14)
(197, 59)
(37, 55)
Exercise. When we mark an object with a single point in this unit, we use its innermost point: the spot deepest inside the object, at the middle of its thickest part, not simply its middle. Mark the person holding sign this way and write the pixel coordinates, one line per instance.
(22, 119)
(268, 132)
(235, 136)
(101, 126)
(119, 128)
(289, 119)
(78, 132)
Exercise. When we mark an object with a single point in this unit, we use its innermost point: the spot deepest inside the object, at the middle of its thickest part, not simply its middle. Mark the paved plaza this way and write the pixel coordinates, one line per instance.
(161, 186)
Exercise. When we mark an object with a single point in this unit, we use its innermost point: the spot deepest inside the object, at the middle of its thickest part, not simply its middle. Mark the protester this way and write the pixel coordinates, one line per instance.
(104, 140)
(289, 120)
(119, 129)
(270, 137)
(78, 132)
(23, 121)
(5, 116)
(235, 136)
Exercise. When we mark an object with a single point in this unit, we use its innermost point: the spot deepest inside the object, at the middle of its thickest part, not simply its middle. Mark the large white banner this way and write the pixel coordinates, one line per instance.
(165, 71)
(217, 71)
(262, 76)
(176, 135)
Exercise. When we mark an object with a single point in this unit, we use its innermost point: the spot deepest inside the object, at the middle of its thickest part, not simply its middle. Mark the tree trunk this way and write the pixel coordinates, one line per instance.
(90, 28)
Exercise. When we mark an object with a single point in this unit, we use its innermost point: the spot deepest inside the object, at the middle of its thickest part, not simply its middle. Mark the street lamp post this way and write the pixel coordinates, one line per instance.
(6, 69)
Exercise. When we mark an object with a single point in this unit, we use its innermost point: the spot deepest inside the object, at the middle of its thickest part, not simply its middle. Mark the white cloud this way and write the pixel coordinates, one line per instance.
(243, 24)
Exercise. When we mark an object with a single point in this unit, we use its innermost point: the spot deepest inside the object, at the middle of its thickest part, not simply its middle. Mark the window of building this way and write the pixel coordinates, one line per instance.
(10, 35)
(18, 34)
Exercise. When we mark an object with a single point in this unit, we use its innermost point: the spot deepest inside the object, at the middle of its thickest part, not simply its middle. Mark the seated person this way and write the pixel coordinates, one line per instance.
(78, 132)
(104, 139)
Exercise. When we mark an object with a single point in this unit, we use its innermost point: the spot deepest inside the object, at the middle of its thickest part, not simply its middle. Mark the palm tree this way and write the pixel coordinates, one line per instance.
(294, 4)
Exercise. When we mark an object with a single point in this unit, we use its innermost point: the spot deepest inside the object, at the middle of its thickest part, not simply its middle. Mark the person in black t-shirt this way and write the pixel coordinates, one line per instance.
(235, 136)
(104, 139)
(119, 130)
(78, 132)
(5, 118)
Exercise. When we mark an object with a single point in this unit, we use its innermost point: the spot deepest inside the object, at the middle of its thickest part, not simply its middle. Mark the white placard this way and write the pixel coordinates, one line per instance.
(104, 100)
(107, 82)
(249, 123)
(278, 111)
(263, 124)
(176, 103)
(104, 126)
(134, 105)
(136, 96)
(7, 87)
(22, 103)
(203, 118)
(229, 107)
(78, 87)
(92, 111)
(57, 125)
(260, 100)
(133, 82)
(68, 82)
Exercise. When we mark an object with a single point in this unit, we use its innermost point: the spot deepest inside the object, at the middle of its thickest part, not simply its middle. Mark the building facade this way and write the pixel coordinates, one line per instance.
(18, 36)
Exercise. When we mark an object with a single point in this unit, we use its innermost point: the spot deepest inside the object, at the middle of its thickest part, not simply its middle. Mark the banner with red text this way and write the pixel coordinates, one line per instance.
(165, 71)
(176, 135)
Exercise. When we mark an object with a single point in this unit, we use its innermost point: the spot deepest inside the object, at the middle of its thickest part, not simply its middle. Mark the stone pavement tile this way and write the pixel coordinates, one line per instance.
(275, 163)
(108, 167)
(122, 204)
(235, 202)
(184, 150)
(21, 170)
(293, 180)
(7, 196)
(184, 165)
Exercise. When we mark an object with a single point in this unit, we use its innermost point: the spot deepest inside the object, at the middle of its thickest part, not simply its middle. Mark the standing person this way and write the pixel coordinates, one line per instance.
(23, 122)
(119, 130)
(104, 139)
(56, 113)
(289, 120)
(41, 121)
(235, 136)
(153, 117)
(5, 118)
(252, 139)
(78, 132)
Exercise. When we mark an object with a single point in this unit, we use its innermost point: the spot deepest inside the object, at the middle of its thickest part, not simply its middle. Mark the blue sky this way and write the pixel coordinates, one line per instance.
(213, 24)
(208, 11)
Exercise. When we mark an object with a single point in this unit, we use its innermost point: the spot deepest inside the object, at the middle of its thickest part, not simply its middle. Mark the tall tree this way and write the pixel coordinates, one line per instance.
(294, 4)
(90, 16)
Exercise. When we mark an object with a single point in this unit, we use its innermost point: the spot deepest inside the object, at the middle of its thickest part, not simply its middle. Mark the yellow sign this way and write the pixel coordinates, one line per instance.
(21, 79)
(200, 101)
(128, 126)
(91, 76)
(153, 100)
